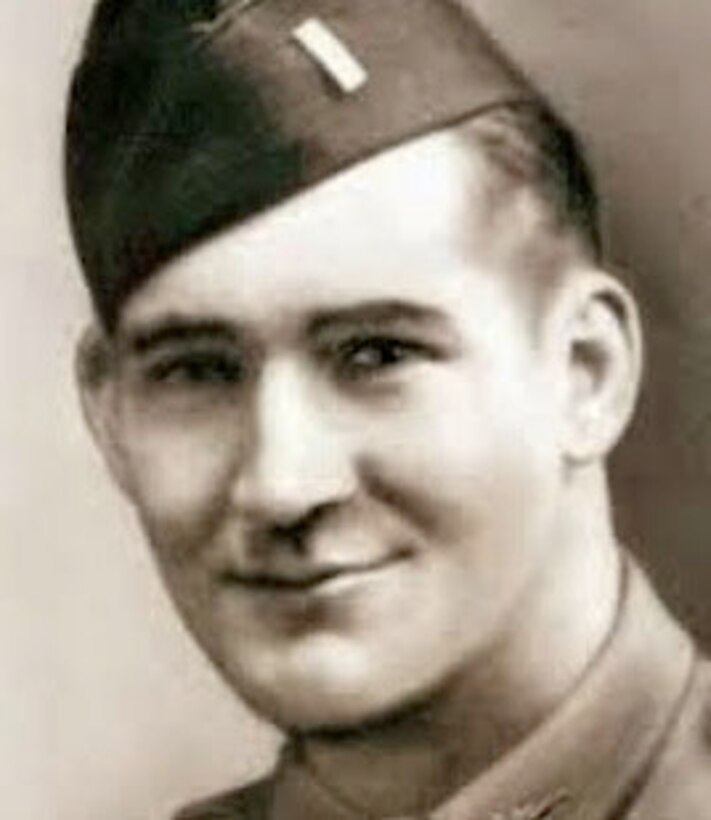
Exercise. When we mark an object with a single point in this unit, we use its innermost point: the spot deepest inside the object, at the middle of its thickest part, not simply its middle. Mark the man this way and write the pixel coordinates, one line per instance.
(358, 368)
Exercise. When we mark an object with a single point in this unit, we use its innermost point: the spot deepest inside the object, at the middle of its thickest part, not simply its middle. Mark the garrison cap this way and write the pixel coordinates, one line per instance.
(188, 115)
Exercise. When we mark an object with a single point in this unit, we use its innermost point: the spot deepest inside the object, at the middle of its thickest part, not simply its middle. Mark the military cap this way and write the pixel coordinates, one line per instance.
(188, 115)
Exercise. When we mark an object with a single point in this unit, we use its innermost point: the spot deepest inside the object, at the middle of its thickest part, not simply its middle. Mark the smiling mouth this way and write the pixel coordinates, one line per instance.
(310, 579)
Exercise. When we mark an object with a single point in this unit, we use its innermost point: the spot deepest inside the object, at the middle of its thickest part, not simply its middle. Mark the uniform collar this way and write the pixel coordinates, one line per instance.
(586, 760)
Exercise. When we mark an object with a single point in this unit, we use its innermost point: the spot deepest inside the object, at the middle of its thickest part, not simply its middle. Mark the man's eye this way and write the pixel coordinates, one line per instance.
(197, 370)
(369, 356)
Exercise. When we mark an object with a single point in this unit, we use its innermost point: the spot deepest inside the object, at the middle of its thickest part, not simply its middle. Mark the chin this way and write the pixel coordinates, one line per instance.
(334, 714)
(331, 694)
(318, 705)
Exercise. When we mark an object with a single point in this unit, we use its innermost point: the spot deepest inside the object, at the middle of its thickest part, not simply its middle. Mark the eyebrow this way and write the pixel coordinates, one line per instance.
(142, 339)
(379, 313)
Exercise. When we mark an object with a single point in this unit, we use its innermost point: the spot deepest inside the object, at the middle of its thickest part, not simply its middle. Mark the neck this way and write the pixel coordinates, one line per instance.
(416, 759)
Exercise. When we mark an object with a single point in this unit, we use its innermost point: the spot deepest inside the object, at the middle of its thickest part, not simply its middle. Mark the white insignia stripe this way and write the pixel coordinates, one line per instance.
(332, 55)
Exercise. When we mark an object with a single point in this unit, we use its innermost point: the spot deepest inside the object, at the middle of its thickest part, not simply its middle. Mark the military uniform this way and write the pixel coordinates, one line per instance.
(632, 741)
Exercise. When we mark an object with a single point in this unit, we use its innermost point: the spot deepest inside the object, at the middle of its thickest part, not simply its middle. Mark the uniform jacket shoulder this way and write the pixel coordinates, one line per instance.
(250, 802)
(679, 785)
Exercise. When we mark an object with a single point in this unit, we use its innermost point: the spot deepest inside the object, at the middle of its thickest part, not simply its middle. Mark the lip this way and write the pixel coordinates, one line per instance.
(311, 579)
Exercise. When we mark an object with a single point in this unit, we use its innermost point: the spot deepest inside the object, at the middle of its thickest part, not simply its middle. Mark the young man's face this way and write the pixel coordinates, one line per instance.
(343, 440)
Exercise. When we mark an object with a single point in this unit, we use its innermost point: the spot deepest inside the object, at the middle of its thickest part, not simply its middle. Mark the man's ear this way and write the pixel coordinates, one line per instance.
(604, 364)
(95, 370)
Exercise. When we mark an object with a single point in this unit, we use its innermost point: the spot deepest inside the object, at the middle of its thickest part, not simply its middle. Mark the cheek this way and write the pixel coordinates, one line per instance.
(457, 456)
(180, 477)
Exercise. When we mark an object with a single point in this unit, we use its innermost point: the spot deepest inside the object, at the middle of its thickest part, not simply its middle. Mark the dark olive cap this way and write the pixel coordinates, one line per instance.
(187, 115)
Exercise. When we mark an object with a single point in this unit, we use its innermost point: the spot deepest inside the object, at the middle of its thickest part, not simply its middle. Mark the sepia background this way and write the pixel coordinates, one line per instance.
(106, 710)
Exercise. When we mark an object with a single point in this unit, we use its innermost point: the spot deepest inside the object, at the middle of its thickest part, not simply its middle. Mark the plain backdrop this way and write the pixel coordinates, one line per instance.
(107, 712)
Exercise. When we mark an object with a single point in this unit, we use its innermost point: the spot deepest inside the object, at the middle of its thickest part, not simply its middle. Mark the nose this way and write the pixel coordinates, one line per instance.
(296, 461)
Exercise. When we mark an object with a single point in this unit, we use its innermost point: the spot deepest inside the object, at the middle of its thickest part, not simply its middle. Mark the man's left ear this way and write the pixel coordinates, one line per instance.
(95, 369)
(601, 325)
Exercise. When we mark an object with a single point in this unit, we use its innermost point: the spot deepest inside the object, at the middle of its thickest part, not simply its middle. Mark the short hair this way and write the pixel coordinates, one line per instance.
(530, 149)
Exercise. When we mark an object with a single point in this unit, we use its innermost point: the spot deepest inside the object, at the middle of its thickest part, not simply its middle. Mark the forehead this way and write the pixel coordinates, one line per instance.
(396, 226)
